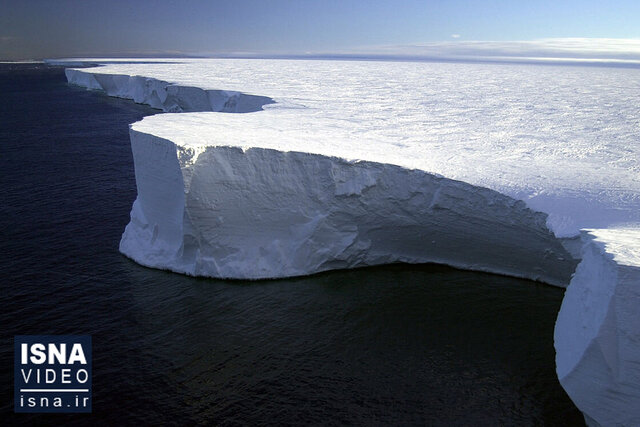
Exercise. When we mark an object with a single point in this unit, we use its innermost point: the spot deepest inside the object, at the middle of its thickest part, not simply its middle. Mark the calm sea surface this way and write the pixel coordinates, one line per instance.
(396, 345)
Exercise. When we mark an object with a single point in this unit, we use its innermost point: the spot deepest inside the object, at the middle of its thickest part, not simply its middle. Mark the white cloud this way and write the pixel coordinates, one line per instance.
(455, 36)
(558, 48)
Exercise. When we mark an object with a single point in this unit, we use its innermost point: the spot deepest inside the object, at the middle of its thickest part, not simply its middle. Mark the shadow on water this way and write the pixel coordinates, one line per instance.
(396, 344)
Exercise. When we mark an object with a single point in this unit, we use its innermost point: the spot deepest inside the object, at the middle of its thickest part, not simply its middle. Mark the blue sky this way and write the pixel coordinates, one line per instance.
(63, 28)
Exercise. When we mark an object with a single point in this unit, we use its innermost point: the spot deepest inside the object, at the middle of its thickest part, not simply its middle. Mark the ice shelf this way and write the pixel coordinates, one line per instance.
(514, 169)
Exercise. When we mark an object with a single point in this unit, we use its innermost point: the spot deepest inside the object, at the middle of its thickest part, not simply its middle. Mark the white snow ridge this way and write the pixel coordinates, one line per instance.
(525, 170)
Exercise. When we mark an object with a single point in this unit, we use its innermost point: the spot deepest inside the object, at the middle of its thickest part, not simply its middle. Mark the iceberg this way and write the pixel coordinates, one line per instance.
(512, 169)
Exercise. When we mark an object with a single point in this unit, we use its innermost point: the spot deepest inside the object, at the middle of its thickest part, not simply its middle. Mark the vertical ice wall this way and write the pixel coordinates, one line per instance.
(597, 334)
(165, 96)
(260, 213)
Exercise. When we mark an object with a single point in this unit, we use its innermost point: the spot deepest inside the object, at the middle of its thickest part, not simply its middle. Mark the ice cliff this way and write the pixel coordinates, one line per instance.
(167, 97)
(254, 213)
(597, 334)
(341, 174)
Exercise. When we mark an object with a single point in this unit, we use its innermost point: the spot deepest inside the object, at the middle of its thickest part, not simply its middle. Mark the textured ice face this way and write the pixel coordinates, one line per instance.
(563, 139)
(263, 213)
(597, 334)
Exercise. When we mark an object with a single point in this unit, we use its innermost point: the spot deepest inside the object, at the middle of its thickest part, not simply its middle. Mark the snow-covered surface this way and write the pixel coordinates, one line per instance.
(563, 139)
(355, 163)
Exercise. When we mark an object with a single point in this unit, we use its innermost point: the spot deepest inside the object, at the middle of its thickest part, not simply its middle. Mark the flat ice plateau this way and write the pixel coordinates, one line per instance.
(523, 170)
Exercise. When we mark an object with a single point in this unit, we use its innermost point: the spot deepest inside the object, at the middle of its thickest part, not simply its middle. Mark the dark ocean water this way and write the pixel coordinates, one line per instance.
(395, 345)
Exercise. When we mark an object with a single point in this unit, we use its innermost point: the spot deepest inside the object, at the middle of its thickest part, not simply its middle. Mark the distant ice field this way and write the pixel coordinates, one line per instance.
(562, 138)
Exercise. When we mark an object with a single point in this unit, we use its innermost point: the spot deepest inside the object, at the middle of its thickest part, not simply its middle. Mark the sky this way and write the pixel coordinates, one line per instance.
(36, 29)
